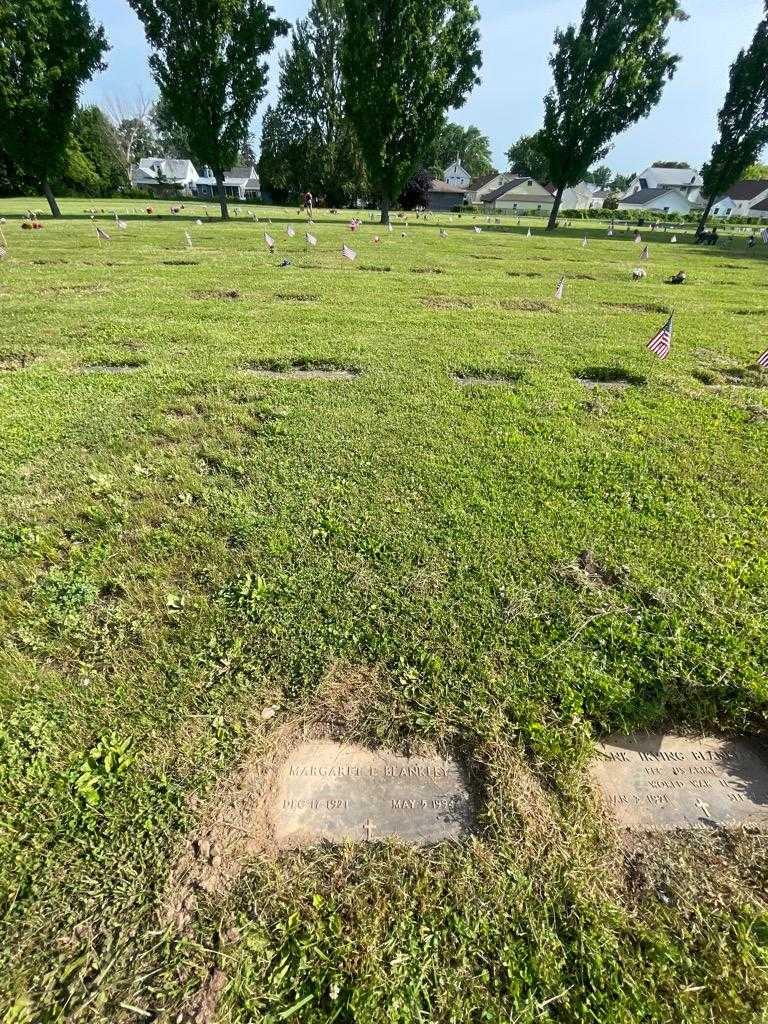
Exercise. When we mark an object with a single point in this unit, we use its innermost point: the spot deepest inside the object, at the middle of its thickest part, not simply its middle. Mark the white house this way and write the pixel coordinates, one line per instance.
(657, 200)
(239, 183)
(760, 210)
(581, 197)
(456, 175)
(685, 180)
(155, 173)
(519, 195)
(741, 199)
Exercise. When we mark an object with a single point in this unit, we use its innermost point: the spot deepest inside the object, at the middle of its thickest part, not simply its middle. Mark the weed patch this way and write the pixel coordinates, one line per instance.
(608, 377)
(445, 302)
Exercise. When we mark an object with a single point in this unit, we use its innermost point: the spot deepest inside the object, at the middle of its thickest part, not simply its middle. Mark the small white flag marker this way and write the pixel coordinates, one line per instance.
(289, 231)
(188, 239)
(310, 239)
(269, 240)
(560, 290)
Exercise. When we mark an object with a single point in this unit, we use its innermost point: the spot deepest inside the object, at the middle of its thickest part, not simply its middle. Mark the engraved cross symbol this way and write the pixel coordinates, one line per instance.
(703, 807)
(368, 826)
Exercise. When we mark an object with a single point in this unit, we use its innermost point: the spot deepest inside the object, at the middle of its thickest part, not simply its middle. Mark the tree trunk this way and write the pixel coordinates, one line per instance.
(705, 215)
(384, 211)
(556, 208)
(55, 211)
(222, 196)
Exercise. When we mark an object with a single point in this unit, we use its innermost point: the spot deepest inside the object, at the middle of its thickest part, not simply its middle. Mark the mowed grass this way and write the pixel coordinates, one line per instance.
(394, 557)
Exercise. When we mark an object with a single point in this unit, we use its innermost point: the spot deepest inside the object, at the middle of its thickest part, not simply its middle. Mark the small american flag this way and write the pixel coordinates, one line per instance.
(584, 242)
(673, 239)
(528, 235)
(661, 343)
(3, 252)
(347, 253)
(391, 229)
(121, 225)
(644, 254)
(309, 239)
(762, 361)
(289, 231)
(610, 232)
(764, 235)
(269, 240)
(478, 230)
(102, 235)
(443, 233)
(560, 290)
(188, 239)
(638, 238)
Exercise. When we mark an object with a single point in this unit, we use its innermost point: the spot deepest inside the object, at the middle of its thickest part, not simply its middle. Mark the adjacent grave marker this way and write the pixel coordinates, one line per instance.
(340, 793)
(657, 781)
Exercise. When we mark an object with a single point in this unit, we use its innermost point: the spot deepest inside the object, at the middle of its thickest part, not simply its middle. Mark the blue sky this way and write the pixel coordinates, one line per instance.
(516, 41)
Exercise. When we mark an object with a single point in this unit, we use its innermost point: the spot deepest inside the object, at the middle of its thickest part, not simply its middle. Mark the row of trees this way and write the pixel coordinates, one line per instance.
(392, 69)
(609, 72)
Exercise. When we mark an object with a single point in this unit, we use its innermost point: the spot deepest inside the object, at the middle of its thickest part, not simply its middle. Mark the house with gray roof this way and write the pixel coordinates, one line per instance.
(519, 195)
(239, 183)
(741, 199)
(443, 197)
(685, 180)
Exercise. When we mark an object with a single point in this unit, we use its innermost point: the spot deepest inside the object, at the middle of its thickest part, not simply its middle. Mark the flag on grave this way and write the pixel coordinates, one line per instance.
(102, 235)
(348, 253)
(443, 233)
(199, 222)
(610, 232)
(560, 290)
(121, 225)
(762, 361)
(584, 242)
(673, 239)
(478, 230)
(289, 231)
(309, 239)
(764, 235)
(269, 240)
(391, 229)
(3, 252)
(188, 239)
(644, 254)
(529, 233)
(638, 238)
(661, 342)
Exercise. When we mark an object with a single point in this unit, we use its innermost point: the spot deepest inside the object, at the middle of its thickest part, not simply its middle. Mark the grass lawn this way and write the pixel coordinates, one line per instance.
(395, 556)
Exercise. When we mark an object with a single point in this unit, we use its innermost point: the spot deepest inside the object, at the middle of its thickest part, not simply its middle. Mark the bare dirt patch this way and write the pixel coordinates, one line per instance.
(749, 312)
(181, 263)
(79, 289)
(484, 256)
(610, 377)
(468, 378)
(582, 277)
(48, 263)
(445, 302)
(226, 296)
(16, 360)
(375, 270)
(636, 307)
(304, 370)
(427, 270)
(586, 573)
(523, 273)
(112, 367)
(733, 376)
(527, 305)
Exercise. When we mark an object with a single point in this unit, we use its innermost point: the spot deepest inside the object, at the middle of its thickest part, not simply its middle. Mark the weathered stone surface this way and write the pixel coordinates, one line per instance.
(340, 793)
(657, 781)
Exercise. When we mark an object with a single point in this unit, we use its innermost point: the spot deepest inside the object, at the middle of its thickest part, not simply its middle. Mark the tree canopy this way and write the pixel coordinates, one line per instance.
(48, 49)
(755, 172)
(469, 145)
(208, 65)
(308, 142)
(743, 119)
(527, 156)
(608, 73)
(405, 64)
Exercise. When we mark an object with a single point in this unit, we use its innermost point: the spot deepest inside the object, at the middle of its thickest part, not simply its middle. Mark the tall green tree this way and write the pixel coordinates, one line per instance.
(208, 66)
(95, 164)
(598, 175)
(48, 49)
(405, 63)
(469, 145)
(527, 156)
(755, 172)
(743, 120)
(608, 73)
(308, 142)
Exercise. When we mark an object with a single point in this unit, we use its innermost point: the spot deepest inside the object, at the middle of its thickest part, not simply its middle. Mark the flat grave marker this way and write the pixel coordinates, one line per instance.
(338, 793)
(657, 781)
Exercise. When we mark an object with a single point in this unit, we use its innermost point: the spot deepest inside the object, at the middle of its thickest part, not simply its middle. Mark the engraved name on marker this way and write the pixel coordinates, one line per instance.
(659, 781)
(339, 793)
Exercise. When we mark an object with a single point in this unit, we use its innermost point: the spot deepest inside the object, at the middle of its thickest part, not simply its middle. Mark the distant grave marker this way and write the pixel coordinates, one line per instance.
(663, 782)
(338, 793)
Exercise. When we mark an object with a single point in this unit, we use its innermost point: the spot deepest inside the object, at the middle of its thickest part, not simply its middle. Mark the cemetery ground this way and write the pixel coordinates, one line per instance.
(499, 529)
